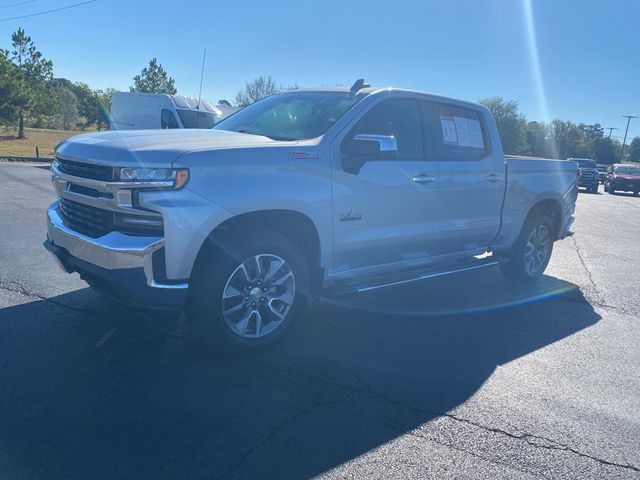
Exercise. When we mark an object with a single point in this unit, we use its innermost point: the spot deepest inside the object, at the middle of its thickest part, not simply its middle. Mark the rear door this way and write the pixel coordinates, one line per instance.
(471, 179)
(384, 211)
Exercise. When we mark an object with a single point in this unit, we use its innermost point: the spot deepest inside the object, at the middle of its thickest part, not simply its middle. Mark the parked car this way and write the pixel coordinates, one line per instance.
(602, 174)
(142, 111)
(309, 192)
(623, 177)
(589, 176)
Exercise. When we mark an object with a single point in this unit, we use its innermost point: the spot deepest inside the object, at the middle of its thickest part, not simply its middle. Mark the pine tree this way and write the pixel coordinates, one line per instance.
(153, 79)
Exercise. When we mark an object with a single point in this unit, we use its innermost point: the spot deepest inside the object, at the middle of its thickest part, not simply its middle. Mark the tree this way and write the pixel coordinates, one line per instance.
(255, 90)
(12, 98)
(35, 74)
(634, 150)
(604, 151)
(569, 139)
(153, 79)
(539, 140)
(511, 124)
(592, 132)
(68, 107)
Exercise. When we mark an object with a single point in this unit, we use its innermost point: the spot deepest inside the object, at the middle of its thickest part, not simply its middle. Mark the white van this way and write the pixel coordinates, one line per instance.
(136, 111)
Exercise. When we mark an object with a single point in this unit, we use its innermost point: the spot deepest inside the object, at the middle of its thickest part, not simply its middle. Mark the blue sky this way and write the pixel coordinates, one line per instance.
(588, 51)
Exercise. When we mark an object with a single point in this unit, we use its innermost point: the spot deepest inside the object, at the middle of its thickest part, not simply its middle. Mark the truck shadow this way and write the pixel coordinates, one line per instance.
(91, 390)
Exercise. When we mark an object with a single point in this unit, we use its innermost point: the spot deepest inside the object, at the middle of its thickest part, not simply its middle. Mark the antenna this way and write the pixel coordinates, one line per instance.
(204, 56)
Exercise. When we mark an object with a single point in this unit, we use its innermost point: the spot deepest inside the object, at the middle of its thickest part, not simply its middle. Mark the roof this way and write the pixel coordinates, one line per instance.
(374, 90)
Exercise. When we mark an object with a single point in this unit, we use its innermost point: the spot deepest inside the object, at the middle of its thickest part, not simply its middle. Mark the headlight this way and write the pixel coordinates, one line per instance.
(162, 177)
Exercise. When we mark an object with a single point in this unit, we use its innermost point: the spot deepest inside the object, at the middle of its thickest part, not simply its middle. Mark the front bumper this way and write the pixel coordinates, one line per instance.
(588, 182)
(125, 267)
(626, 186)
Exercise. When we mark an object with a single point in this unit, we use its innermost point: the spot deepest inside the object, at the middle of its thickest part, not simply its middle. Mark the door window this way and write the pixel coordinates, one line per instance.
(459, 133)
(399, 118)
(168, 119)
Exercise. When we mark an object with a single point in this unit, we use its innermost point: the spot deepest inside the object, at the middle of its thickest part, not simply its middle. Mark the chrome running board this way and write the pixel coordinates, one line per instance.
(415, 276)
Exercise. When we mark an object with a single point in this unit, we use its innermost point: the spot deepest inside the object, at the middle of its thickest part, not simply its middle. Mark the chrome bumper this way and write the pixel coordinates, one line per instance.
(113, 251)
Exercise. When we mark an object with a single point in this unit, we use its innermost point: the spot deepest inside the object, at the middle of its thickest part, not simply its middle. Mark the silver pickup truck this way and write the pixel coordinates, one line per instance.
(309, 192)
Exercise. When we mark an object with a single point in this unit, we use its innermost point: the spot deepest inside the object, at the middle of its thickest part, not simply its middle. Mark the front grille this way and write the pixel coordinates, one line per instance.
(586, 175)
(91, 221)
(86, 170)
(89, 192)
(95, 222)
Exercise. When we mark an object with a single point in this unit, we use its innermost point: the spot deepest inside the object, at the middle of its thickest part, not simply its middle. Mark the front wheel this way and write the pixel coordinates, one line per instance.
(530, 254)
(246, 296)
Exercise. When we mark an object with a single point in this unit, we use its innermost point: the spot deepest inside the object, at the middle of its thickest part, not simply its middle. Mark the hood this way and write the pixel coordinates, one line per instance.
(157, 147)
(627, 176)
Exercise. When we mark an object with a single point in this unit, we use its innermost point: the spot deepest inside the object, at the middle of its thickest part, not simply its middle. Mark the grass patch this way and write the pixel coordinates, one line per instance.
(45, 140)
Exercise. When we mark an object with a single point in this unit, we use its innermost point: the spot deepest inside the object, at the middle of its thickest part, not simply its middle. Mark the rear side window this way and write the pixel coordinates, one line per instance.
(168, 119)
(398, 117)
(459, 133)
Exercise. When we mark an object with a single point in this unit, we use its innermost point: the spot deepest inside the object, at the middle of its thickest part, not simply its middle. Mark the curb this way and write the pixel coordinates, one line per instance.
(12, 158)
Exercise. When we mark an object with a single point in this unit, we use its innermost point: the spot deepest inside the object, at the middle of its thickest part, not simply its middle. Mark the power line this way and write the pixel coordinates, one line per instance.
(47, 11)
(18, 3)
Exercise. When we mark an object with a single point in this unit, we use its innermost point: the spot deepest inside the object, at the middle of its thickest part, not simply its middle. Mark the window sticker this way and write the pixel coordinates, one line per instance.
(462, 129)
(448, 130)
(475, 131)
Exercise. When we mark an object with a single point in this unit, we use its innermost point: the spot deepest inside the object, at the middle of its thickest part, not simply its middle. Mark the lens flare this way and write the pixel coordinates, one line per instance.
(534, 58)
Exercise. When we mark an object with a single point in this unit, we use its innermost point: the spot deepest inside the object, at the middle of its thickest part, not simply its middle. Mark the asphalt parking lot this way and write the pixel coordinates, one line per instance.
(463, 377)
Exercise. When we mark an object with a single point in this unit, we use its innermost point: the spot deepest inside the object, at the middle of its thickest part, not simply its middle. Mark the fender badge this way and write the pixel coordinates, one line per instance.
(350, 216)
(304, 155)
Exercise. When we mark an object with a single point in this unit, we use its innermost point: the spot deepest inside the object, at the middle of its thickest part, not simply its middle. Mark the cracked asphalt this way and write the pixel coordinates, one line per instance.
(461, 377)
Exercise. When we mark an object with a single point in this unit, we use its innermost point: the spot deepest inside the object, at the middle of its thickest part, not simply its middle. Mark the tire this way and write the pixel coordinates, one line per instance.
(263, 313)
(518, 267)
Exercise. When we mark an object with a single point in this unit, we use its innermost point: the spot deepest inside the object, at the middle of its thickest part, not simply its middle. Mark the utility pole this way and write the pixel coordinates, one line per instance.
(610, 130)
(628, 117)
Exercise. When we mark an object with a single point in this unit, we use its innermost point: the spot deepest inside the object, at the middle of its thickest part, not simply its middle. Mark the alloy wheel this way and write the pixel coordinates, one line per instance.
(258, 296)
(537, 250)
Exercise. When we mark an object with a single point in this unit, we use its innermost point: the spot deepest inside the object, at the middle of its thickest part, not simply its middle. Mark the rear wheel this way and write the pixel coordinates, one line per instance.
(530, 255)
(246, 297)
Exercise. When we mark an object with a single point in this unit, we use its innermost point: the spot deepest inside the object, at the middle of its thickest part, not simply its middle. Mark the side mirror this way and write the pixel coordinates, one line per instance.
(370, 145)
(366, 147)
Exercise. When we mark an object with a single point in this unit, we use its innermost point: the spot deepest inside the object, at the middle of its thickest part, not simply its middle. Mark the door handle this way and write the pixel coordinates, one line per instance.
(493, 178)
(423, 179)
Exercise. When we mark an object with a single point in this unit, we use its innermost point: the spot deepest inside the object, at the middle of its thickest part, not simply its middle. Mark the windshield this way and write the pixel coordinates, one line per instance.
(628, 170)
(586, 164)
(196, 119)
(291, 116)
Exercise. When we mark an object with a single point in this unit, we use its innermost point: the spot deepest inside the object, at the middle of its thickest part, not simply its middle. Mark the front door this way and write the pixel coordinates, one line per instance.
(384, 208)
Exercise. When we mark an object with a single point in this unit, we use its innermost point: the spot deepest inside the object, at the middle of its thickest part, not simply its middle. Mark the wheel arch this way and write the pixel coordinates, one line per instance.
(292, 224)
(550, 207)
